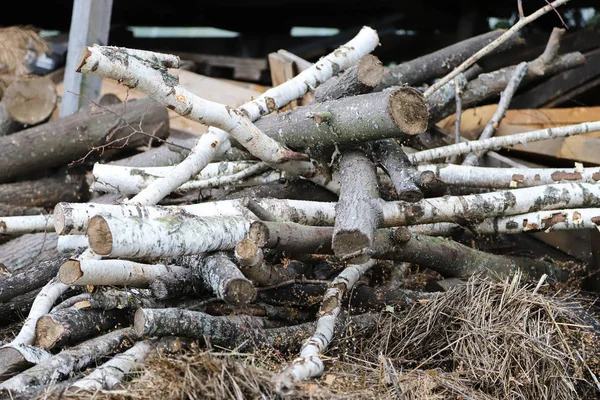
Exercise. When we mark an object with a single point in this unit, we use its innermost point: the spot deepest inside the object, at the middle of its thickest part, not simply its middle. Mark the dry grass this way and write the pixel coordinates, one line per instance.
(483, 340)
(15, 44)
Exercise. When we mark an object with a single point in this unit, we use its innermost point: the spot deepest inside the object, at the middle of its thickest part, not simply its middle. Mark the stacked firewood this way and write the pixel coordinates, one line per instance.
(264, 231)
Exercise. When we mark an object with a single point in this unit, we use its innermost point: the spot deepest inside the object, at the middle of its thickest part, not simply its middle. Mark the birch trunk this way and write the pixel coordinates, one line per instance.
(505, 178)
(112, 273)
(165, 237)
(26, 224)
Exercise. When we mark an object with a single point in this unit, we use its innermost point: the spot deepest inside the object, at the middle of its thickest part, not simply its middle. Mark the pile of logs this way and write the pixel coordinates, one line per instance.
(253, 234)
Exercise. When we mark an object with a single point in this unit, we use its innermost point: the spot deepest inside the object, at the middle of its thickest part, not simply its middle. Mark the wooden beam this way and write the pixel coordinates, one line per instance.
(90, 24)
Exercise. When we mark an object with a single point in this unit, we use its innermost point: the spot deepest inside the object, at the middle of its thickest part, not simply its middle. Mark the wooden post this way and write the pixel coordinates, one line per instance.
(90, 24)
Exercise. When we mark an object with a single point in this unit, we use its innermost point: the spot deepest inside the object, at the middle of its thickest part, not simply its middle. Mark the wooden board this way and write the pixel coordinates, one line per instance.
(213, 89)
(581, 148)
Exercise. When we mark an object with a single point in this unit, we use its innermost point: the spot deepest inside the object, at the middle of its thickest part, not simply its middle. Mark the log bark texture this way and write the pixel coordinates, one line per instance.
(68, 139)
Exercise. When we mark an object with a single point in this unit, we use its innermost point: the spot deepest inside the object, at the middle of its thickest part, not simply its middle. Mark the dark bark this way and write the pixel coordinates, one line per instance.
(177, 284)
(443, 61)
(27, 279)
(71, 325)
(357, 213)
(403, 174)
(361, 78)
(69, 186)
(70, 139)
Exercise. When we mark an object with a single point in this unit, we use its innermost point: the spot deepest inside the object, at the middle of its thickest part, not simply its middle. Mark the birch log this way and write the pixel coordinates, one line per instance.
(309, 363)
(53, 143)
(220, 273)
(505, 178)
(440, 62)
(110, 374)
(211, 143)
(72, 218)
(60, 365)
(499, 142)
(16, 226)
(165, 237)
(112, 272)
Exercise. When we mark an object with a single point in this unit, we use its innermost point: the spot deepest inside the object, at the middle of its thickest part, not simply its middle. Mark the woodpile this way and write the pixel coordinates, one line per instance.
(351, 213)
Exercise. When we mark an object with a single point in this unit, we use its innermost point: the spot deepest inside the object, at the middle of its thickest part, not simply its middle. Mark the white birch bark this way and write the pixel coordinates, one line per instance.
(502, 141)
(132, 237)
(309, 363)
(112, 272)
(505, 178)
(65, 362)
(108, 375)
(546, 221)
(212, 142)
(131, 180)
(493, 204)
(70, 243)
(26, 224)
(72, 218)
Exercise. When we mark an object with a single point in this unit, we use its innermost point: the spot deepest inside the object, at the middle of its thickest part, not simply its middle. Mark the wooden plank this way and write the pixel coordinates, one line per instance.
(218, 90)
(282, 70)
(90, 24)
(244, 68)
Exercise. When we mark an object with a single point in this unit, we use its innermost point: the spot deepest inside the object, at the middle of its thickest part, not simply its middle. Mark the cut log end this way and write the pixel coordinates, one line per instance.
(48, 332)
(240, 291)
(370, 70)
(352, 246)
(409, 110)
(11, 363)
(99, 235)
(259, 233)
(58, 217)
(139, 322)
(70, 272)
(31, 100)
(247, 252)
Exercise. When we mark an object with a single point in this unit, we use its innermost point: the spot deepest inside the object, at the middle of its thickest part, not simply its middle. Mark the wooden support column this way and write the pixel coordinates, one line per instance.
(90, 24)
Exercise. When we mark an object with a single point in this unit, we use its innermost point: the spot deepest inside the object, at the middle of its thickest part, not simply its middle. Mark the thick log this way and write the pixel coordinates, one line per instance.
(166, 237)
(439, 63)
(395, 113)
(28, 101)
(53, 143)
(67, 185)
(72, 325)
(112, 272)
(27, 279)
(177, 284)
(17, 307)
(360, 78)
(254, 267)
(24, 250)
